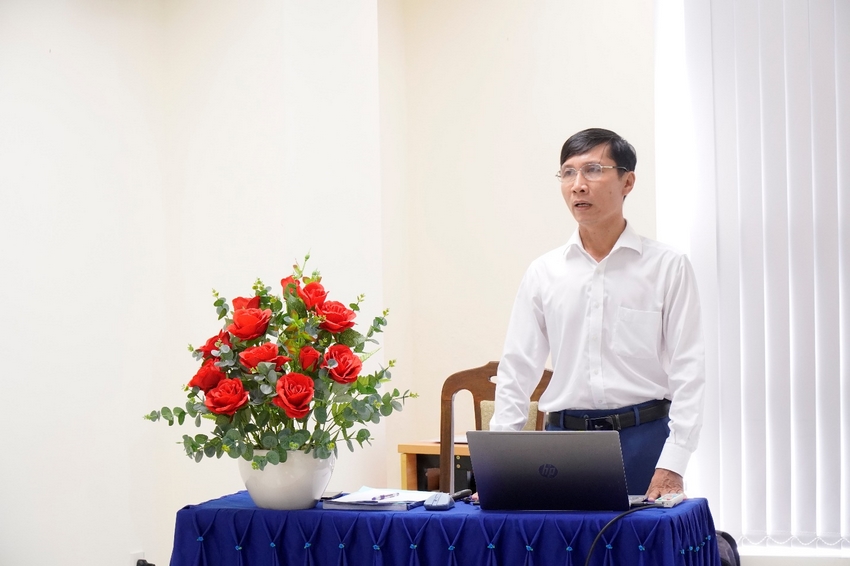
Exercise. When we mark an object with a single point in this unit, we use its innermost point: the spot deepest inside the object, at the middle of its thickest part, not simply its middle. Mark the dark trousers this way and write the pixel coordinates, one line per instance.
(641, 445)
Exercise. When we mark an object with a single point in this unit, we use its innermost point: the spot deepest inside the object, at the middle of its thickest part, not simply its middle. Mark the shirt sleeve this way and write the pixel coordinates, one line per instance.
(685, 353)
(524, 357)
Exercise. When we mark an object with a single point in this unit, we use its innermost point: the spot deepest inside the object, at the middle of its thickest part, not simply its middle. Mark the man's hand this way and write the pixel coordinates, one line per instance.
(664, 481)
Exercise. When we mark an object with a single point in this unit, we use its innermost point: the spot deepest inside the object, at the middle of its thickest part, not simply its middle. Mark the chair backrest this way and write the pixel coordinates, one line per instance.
(478, 382)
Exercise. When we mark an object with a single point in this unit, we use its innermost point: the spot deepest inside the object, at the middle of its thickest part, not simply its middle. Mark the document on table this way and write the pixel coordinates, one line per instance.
(371, 499)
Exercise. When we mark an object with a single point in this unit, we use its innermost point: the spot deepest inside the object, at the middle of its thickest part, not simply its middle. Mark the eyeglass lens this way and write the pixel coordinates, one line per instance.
(590, 171)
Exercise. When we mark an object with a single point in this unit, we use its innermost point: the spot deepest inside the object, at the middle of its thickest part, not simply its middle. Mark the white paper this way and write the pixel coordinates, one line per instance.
(389, 495)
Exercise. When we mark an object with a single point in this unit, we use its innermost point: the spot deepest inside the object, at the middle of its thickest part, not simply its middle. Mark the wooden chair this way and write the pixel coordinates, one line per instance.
(478, 382)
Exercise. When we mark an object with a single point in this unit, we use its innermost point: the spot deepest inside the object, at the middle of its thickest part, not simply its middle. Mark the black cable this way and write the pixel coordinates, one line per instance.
(611, 522)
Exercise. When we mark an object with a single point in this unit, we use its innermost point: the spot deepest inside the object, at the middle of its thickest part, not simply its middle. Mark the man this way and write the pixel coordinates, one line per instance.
(620, 316)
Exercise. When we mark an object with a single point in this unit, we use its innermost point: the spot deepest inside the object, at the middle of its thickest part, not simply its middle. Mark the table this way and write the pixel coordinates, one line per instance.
(232, 531)
(420, 466)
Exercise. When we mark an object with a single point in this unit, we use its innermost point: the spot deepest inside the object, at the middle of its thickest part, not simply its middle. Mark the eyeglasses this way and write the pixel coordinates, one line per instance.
(590, 172)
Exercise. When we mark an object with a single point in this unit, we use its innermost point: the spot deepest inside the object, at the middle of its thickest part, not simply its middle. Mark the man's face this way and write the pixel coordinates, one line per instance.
(596, 203)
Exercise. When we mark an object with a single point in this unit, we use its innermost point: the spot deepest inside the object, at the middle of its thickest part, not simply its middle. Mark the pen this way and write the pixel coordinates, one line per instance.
(384, 496)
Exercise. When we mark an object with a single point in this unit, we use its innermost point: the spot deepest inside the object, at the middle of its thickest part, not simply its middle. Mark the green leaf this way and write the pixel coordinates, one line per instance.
(386, 410)
(323, 453)
(273, 457)
(300, 437)
(321, 415)
(350, 338)
(293, 303)
(265, 367)
(269, 441)
(284, 437)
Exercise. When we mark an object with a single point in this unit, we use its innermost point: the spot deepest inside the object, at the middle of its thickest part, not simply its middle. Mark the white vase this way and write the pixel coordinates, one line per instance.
(297, 483)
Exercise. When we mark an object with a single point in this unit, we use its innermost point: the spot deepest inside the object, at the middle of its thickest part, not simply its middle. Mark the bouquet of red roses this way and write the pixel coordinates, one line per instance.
(284, 373)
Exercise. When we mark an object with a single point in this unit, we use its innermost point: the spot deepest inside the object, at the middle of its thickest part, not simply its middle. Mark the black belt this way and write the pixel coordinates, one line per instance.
(614, 421)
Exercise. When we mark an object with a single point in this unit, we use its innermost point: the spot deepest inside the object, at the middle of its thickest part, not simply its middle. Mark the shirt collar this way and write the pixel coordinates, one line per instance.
(628, 239)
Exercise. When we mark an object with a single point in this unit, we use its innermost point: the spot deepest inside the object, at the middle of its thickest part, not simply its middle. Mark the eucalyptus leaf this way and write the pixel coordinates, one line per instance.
(273, 457)
(265, 367)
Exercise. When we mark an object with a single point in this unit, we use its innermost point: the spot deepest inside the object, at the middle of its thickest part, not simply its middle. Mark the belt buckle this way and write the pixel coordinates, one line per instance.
(611, 422)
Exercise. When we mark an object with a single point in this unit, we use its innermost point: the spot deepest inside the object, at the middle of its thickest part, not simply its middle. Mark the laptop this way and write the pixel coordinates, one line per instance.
(550, 471)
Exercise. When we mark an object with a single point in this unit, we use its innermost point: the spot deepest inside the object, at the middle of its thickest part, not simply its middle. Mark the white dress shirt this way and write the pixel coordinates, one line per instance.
(621, 331)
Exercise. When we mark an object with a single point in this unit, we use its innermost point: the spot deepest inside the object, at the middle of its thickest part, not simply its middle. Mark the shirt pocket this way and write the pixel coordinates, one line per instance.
(637, 333)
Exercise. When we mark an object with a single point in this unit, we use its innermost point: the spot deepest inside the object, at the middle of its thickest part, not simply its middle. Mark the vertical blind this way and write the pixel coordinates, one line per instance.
(768, 83)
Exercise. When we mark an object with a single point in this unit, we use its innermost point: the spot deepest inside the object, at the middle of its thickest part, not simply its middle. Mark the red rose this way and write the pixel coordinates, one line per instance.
(267, 352)
(347, 366)
(294, 393)
(208, 376)
(313, 294)
(211, 345)
(249, 323)
(287, 281)
(337, 316)
(243, 303)
(228, 397)
(307, 357)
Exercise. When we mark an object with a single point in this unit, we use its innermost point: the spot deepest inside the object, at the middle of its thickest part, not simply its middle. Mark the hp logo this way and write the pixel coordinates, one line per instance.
(548, 471)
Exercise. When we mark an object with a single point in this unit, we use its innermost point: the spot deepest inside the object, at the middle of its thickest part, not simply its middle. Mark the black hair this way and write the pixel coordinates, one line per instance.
(621, 151)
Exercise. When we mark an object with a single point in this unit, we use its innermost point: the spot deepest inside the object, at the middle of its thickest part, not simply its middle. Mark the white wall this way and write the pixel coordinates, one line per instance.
(150, 151)
(82, 240)
(493, 89)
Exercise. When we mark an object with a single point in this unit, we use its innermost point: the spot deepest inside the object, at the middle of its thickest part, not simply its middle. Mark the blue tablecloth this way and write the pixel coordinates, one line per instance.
(233, 531)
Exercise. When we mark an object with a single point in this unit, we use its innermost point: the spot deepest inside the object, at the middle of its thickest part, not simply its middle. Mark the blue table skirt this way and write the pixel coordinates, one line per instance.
(233, 531)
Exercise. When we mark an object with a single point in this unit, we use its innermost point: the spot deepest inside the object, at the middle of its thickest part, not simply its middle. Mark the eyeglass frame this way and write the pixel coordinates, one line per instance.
(581, 170)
